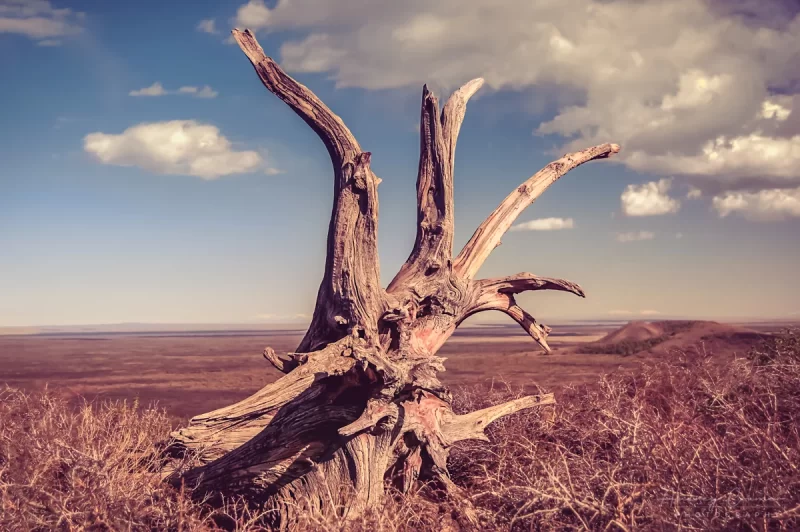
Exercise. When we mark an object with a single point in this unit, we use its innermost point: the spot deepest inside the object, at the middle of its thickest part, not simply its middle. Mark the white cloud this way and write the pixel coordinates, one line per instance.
(694, 193)
(649, 312)
(666, 79)
(254, 15)
(182, 147)
(39, 20)
(649, 199)
(634, 236)
(208, 26)
(695, 89)
(733, 161)
(764, 205)
(770, 109)
(206, 92)
(156, 89)
(544, 224)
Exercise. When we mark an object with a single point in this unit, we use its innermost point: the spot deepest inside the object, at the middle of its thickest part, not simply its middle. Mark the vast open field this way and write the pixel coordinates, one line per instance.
(190, 372)
(671, 425)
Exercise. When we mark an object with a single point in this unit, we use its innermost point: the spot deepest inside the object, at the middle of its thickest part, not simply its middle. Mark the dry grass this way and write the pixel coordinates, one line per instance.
(92, 468)
(690, 444)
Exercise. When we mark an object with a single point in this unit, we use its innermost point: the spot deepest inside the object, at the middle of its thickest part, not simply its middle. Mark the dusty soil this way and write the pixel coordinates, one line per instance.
(193, 372)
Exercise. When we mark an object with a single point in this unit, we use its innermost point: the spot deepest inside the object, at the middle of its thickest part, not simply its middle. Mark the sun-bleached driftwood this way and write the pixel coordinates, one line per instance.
(360, 403)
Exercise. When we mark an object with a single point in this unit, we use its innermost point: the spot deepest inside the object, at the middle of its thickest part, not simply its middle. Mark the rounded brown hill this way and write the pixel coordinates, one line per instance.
(668, 335)
(635, 331)
(639, 331)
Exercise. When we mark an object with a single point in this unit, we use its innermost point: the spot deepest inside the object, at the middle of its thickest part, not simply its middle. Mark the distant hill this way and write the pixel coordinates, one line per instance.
(662, 337)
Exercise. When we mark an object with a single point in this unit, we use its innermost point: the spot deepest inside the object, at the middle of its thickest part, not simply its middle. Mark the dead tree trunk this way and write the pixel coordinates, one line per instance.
(360, 403)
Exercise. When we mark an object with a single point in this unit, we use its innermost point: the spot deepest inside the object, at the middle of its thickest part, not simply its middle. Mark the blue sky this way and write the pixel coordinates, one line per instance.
(101, 222)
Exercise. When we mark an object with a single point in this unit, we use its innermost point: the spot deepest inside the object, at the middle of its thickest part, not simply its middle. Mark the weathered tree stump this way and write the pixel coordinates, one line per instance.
(360, 403)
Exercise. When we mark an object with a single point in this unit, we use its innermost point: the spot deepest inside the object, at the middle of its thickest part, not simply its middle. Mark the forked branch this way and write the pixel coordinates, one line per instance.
(537, 331)
(433, 246)
(498, 294)
(488, 235)
(523, 282)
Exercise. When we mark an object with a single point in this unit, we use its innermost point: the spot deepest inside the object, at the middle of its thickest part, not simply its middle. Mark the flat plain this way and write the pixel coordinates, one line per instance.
(191, 372)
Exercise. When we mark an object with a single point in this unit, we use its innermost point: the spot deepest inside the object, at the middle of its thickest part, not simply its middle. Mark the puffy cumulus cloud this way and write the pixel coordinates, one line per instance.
(635, 236)
(763, 205)
(649, 199)
(701, 88)
(254, 15)
(743, 161)
(774, 110)
(694, 193)
(157, 89)
(39, 20)
(544, 224)
(182, 147)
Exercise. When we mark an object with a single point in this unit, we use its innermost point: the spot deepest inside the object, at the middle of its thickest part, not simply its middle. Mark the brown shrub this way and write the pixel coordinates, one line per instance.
(97, 467)
(625, 347)
(689, 444)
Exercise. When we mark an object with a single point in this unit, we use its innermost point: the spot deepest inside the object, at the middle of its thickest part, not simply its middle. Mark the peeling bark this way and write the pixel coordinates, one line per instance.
(361, 403)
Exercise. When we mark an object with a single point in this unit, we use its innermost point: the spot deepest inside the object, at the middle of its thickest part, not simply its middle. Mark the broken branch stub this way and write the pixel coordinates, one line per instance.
(360, 402)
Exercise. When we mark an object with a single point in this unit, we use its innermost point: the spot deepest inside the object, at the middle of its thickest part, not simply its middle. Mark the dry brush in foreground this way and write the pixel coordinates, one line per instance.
(689, 444)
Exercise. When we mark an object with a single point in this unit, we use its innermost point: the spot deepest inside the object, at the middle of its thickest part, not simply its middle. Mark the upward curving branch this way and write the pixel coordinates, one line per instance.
(350, 297)
(488, 235)
(453, 116)
(342, 145)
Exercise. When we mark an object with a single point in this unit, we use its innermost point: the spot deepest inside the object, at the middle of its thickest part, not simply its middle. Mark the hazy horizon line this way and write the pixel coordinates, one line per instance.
(298, 324)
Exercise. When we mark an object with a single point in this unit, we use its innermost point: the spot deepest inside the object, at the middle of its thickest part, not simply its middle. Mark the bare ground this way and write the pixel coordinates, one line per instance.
(188, 373)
